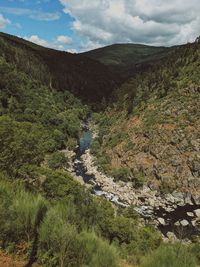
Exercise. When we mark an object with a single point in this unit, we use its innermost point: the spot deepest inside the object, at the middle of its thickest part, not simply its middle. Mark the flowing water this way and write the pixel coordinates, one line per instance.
(84, 144)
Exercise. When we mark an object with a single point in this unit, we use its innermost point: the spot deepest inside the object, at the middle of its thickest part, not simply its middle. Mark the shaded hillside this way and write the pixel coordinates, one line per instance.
(84, 77)
(151, 134)
(123, 58)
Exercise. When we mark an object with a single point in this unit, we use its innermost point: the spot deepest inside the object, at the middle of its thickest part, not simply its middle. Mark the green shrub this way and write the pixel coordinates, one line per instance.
(18, 211)
(97, 252)
(57, 160)
(195, 250)
(170, 256)
(20, 143)
(122, 173)
(58, 242)
(129, 146)
(138, 179)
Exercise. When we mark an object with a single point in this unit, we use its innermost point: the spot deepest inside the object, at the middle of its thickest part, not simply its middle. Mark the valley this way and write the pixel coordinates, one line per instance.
(175, 215)
(99, 153)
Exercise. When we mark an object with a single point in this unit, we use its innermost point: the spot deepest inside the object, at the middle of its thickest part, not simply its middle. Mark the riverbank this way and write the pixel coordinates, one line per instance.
(173, 213)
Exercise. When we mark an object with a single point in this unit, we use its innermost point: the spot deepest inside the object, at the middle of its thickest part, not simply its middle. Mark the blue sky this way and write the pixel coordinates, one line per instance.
(80, 25)
(42, 18)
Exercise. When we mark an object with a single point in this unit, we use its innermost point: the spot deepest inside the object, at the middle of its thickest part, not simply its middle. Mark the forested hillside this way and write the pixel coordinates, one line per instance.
(125, 59)
(85, 77)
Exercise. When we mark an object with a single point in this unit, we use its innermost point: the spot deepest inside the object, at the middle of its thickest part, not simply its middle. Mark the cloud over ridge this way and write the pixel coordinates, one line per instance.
(154, 22)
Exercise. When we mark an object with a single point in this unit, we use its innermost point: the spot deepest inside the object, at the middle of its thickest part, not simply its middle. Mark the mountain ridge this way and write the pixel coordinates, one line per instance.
(84, 77)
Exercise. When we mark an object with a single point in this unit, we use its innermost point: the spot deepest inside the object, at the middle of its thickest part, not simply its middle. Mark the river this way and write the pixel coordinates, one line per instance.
(78, 165)
(182, 214)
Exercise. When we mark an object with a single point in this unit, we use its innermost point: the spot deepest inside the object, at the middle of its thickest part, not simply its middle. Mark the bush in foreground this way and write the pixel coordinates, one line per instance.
(175, 255)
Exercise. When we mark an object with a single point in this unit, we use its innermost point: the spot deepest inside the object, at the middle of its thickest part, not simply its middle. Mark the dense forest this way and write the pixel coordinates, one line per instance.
(47, 217)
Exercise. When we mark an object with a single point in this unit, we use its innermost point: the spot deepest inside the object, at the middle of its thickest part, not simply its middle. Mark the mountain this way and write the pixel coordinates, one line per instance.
(84, 77)
(47, 216)
(150, 135)
(123, 58)
(145, 116)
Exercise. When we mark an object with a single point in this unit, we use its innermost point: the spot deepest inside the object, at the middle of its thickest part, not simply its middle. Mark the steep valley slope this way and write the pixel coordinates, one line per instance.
(84, 77)
(151, 133)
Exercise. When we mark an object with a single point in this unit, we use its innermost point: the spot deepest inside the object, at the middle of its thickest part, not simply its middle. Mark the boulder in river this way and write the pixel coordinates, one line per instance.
(161, 221)
(184, 223)
(197, 213)
(171, 236)
(190, 214)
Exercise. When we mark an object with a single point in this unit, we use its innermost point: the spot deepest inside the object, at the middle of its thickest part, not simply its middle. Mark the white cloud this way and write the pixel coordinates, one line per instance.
(3, 22)
(73, 51)
(155, 22)
(33, 14)
(63, 39)
(56, 44)
(37, 40)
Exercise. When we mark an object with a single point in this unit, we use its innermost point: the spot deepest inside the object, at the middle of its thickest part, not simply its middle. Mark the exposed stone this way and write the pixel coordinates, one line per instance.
(188, 199)
(147, 199)
(190, 214)
(171, 236)
(161, 221)
(196, 199)
(194, 223)
(197, 213)
(184, 223)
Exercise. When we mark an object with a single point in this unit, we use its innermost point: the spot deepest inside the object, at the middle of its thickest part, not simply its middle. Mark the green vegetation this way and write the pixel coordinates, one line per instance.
(60, 222)
(170, 255)
(155, 108)
(121, 174)
(63, 225)
(57, 160)
(35, 120)
(88, 79)
(122, 58)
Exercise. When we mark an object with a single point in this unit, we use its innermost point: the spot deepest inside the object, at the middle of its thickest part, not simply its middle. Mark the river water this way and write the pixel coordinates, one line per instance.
(179, 214)
(84, 144)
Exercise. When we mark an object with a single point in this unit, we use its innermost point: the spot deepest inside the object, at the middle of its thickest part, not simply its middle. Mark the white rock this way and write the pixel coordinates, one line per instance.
(190, 214)
(171, 236)
(197, 213)
(161, 221)
(194, 223)
(184, 223)
(177, 223)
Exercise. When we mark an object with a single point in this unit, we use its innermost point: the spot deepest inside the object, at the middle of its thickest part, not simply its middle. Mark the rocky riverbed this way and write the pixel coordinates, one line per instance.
(176, 215)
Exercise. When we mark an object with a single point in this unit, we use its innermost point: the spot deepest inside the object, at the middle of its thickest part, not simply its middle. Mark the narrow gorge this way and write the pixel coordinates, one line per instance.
(176, 215)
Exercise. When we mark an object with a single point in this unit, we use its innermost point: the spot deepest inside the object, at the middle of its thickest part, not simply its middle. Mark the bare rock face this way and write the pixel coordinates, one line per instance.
(165, 147)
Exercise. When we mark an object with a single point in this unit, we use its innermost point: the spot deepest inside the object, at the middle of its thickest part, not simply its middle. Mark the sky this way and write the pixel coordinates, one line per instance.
(82, 25)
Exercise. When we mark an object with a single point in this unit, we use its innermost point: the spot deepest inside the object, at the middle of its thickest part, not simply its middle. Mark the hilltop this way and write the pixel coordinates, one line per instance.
(123, 59)
(84, 77)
